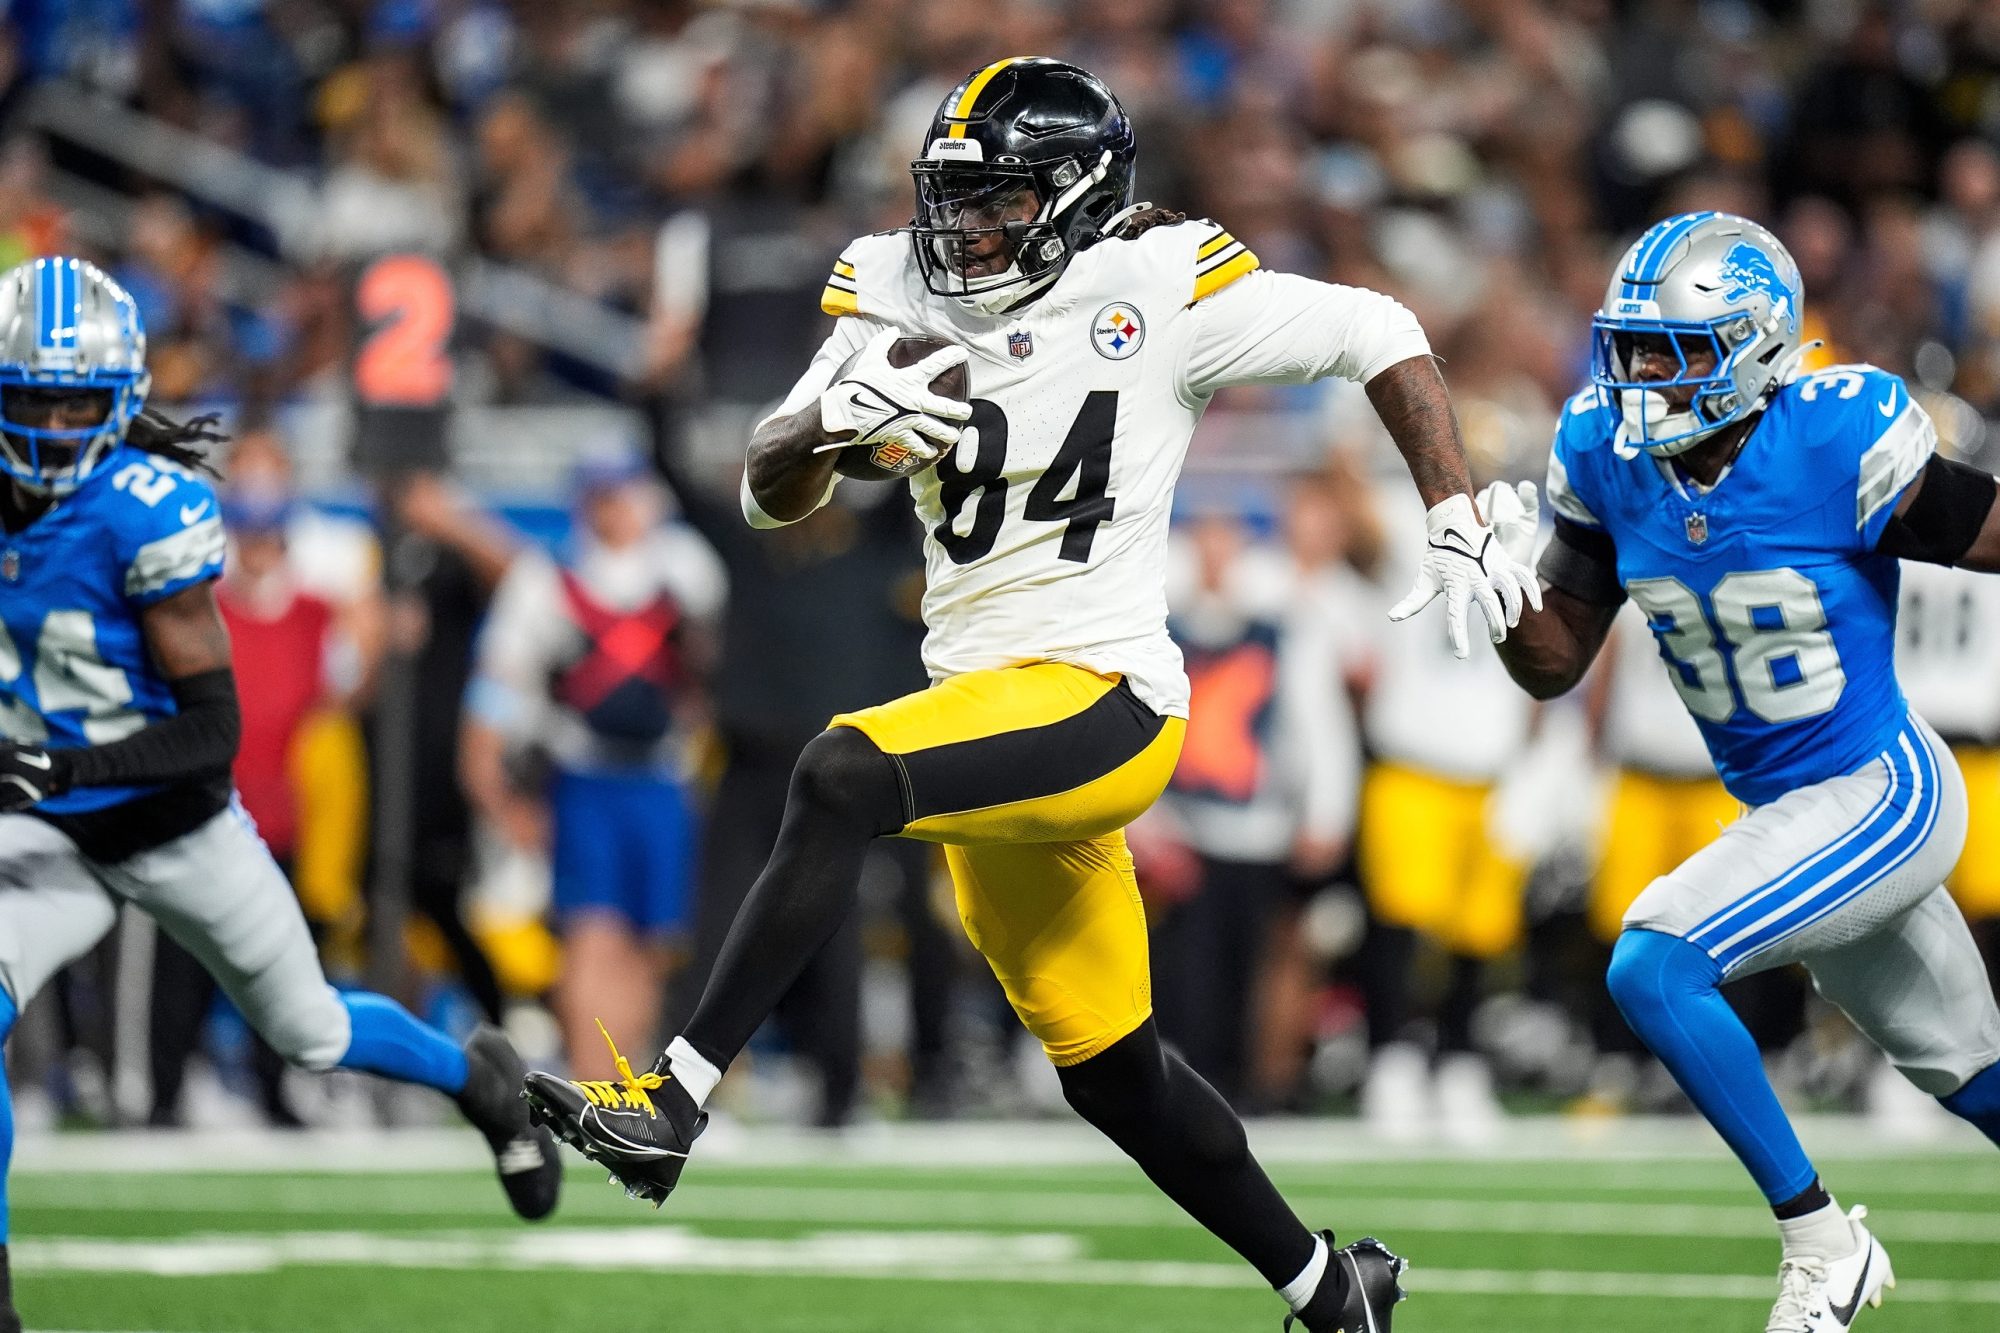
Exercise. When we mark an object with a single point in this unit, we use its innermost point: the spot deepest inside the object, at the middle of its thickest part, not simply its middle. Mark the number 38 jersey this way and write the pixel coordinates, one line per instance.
(74, 667)
(1046, 528)
(1774, 614)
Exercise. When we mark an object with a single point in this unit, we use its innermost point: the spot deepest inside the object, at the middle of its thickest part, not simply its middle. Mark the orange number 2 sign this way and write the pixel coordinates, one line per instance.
(406, 302)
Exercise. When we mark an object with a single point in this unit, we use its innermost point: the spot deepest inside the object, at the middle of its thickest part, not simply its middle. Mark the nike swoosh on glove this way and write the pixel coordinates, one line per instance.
(876, 403)
(1464, 560)
(29, 775)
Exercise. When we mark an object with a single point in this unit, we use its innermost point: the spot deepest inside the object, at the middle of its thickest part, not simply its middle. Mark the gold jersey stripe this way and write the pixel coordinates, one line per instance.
(1220, 257)
(835, 301)
(1213, 281)
(1213, 244)
(963, 111)
(842, 268)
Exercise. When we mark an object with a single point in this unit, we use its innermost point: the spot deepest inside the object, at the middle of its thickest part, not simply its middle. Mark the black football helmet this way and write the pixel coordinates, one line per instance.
(1025, 163)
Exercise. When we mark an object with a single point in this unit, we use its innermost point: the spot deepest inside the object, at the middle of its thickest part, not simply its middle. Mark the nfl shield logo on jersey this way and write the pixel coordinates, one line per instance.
(10, 566)
(1697, 528)
(1020, 344)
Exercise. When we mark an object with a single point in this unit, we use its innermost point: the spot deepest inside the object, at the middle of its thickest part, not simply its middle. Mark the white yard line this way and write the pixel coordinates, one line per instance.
(1051, 1259)
(212, 1197)
(1021, 1145)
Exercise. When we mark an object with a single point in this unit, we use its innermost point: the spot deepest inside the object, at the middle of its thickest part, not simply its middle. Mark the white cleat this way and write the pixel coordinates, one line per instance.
(1396, 1099)
(1820, 1297)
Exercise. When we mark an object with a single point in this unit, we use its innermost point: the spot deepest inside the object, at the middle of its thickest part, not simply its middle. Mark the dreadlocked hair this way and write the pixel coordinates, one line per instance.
(1145, 220)
(157, 433)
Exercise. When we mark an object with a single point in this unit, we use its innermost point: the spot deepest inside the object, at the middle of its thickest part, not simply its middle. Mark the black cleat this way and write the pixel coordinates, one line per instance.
(638, 1127)
(1366, 1294)
(530, 1167)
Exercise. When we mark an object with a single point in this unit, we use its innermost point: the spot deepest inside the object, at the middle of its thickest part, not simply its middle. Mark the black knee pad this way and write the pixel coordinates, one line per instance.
(844, 774)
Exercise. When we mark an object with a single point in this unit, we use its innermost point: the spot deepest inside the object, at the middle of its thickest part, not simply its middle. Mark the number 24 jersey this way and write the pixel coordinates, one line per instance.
(1774, 614)
(74, 666)
(1046, 528)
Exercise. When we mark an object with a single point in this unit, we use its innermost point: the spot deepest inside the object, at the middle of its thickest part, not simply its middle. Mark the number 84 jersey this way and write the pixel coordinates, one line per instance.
(1045, 529)
(1774, 614)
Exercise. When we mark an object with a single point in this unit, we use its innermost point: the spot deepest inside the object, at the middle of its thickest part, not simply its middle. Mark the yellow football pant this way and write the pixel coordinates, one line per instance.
(1428, 864)
(1653, 824)
(1976, 881)
(1028, 776)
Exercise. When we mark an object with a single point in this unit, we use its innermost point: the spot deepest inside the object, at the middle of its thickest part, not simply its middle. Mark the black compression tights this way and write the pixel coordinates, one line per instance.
(1180, 1131)
(844, 794)
(1189, 1142)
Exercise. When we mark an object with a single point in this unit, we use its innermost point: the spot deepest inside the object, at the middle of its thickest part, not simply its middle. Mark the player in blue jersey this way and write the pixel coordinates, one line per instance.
(119, 721)
(1756, 514)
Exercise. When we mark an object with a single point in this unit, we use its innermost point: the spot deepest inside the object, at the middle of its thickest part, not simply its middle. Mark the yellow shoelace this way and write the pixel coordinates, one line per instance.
(628, 1092)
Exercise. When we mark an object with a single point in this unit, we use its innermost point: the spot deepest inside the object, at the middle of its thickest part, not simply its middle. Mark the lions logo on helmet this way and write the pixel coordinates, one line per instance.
(1746, 269)
(1720, 293)
(70, 337)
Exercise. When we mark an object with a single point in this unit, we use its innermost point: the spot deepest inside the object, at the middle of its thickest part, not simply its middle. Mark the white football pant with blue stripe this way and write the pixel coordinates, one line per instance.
(1845, 877)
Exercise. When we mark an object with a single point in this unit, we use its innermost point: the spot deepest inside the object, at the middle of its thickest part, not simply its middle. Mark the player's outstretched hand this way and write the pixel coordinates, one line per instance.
(29, 775)
(1515, 514)
(876, 403)
(1466, 561)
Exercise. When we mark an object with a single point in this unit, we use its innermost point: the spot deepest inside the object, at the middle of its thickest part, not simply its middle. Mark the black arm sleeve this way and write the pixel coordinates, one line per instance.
(1582, 562)
(199, 741)
(1943, 521)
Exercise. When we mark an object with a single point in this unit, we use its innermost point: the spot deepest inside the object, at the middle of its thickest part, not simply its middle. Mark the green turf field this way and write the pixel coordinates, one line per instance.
(928, 1233)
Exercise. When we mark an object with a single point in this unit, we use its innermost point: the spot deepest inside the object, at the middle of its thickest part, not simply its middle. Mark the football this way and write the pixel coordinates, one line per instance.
(887, 462)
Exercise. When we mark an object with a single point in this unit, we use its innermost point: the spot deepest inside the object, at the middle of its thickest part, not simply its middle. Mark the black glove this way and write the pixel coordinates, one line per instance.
(30, 775)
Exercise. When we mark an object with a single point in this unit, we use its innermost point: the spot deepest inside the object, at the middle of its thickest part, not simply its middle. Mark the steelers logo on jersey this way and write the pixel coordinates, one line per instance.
(1117, 331)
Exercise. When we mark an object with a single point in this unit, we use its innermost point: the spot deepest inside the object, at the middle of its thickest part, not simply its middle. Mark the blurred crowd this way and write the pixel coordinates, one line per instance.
(523, 754)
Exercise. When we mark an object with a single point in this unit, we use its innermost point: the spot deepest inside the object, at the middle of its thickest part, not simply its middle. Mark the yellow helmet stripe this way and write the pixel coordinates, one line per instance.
(963, 111)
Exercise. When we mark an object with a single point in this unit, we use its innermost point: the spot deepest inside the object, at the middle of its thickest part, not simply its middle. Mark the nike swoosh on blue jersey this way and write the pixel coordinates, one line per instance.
(1888, 409)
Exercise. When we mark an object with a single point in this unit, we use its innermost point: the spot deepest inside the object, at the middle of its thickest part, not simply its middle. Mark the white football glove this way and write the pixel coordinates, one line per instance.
(875, 403)
(1515, 515)
(1465, 561)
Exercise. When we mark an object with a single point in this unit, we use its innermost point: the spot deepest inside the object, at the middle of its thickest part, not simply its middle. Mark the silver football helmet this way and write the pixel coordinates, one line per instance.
(67, 331)
(1723, 295)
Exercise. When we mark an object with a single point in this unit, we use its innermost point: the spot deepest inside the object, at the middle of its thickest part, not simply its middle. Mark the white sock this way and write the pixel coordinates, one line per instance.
(1301, 1288)
(1824, 1234)
(692, 1072)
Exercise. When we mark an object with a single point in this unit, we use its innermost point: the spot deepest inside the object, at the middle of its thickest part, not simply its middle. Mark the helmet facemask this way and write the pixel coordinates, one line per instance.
(53, 435)
(1658, 419)
(991, 234)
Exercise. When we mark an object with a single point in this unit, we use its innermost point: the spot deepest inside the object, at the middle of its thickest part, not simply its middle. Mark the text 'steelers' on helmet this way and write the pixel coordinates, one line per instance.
(67, 332)
(1720, 294)
(1023, 165)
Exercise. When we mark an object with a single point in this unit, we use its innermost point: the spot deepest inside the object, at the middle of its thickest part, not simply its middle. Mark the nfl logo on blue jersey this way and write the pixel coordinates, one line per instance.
(1021, 345)
(10, 567)
(1697, 528)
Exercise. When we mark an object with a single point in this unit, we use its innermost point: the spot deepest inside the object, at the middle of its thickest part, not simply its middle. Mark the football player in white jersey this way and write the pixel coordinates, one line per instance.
(1095, 331)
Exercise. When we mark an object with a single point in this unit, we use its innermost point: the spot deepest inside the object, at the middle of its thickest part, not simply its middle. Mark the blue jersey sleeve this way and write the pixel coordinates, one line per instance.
(168, 527)
(1572, 479)
(1873, 437)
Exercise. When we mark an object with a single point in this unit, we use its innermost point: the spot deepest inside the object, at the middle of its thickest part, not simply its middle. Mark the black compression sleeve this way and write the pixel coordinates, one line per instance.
(1582, 562)
(198, 741)
(1943, 521)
